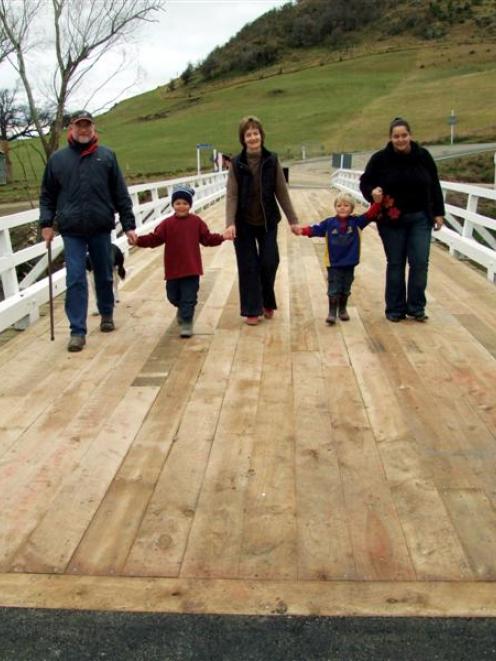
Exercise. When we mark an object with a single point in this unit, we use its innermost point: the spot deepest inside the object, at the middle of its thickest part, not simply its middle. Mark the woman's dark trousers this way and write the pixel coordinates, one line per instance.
(257, 255)
(408, 241)
(183, 293)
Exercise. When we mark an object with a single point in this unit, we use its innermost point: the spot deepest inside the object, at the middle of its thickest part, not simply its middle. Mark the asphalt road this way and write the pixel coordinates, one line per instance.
(42, 635)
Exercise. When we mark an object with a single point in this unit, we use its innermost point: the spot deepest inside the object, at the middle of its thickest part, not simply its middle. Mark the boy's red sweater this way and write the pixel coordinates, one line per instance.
(182, 238)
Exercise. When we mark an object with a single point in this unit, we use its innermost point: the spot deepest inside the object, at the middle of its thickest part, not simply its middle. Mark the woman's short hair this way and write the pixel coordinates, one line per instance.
(344, 197)
(250, 122)
(399, 121)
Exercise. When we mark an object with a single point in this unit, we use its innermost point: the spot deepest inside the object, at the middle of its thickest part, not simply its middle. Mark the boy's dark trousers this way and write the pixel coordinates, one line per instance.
(257, 255)
(183, 293)
(339, 281)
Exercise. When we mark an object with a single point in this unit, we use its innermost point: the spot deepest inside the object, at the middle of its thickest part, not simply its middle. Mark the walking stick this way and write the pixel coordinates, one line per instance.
(50, 290)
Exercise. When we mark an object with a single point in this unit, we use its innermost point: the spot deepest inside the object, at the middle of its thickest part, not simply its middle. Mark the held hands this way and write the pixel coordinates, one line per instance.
(132, 237)
(377, 194)
(229, 233)
(296, 229)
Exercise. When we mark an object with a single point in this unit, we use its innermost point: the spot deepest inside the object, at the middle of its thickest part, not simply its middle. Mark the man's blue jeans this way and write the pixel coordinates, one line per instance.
(407, 241)
(76, 299)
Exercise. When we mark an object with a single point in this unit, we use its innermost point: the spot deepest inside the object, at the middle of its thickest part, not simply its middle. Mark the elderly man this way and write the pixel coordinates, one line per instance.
(82, 188)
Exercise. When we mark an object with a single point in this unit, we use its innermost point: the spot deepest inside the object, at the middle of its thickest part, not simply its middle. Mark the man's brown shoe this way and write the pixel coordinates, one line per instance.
(76, 343)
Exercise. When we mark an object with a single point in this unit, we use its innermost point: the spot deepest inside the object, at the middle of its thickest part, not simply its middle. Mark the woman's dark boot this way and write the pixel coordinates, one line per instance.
(333, 308)
(343, 312)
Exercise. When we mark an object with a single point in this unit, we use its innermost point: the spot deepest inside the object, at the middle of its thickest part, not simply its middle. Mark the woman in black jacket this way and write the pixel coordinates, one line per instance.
(406, 175)
(255, 186)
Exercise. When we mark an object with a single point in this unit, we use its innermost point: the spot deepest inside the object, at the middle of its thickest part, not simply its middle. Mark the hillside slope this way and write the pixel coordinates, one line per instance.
(324, 99)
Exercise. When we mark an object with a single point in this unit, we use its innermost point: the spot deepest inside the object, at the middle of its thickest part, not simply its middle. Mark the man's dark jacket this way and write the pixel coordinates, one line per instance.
(83, 192)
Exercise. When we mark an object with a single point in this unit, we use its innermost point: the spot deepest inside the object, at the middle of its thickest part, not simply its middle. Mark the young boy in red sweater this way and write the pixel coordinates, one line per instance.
(182, 234)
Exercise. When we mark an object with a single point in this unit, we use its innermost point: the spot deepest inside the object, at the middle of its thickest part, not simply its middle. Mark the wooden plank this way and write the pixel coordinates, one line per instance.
(472, 431)
(475, 521)
(109, 538)
(462, 288)
(379, 545)
(214, 544)
(159, 551)
(241, 398)
(269, 527)
(324, 542)
(54, 540)
(483, 333)
(66, 435)
(235, 597)
(303, 334)
(425, 418)
(434, 546)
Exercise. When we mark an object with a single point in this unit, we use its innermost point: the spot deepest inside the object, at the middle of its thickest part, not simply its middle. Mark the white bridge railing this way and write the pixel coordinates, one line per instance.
(469, 233)
(23, 298)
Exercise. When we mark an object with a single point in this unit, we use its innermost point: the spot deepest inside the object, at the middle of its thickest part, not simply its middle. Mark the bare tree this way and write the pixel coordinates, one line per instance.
(5, 45)
(16, 121)
(83, 32)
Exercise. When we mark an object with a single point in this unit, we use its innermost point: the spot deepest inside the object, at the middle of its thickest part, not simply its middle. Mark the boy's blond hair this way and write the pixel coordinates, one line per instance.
(344, 197)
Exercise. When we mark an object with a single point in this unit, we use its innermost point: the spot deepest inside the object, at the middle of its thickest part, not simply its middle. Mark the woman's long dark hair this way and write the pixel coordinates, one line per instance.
(399, 121)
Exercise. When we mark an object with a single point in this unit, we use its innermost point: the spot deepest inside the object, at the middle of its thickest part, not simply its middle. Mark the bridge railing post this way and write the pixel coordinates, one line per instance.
(10, 284)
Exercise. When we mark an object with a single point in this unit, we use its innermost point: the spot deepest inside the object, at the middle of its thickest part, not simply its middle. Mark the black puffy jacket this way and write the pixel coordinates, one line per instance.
(82, 193)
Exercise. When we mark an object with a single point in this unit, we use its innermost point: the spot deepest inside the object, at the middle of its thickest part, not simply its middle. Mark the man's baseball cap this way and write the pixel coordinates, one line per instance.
(81, 115)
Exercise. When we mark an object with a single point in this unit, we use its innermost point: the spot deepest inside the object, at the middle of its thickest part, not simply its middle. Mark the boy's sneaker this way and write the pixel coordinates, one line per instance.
(107, 324)
(186, 328)
(76, 343)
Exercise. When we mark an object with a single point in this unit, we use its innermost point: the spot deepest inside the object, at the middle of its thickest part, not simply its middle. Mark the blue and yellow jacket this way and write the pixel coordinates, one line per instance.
(343, 236)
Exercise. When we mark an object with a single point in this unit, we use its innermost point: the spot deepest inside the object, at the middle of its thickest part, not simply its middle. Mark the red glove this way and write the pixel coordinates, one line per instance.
(374, 211)
(306, 231)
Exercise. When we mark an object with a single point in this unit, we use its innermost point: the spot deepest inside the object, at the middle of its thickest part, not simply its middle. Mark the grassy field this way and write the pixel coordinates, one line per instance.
(329, 106)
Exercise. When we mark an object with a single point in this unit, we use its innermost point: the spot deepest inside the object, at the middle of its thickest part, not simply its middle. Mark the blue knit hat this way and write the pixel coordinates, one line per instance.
(183, 192)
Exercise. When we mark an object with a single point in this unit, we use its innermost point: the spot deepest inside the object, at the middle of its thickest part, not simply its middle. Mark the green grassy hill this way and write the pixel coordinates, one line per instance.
(328, 100)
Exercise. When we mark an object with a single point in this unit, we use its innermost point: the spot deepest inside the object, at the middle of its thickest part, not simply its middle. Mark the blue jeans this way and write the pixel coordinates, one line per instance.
(76, 298)
(183, 293)
(340, 280)
(408, 241)
(257, 255)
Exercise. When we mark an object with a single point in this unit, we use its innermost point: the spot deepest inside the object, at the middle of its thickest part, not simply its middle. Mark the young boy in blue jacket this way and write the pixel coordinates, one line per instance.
(342, 233)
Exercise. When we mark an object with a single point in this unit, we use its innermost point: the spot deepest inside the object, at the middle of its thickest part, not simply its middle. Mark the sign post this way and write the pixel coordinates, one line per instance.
(451, 123)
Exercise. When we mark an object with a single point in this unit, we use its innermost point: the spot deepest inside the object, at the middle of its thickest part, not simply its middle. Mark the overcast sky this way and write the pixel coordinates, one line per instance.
(185, 32)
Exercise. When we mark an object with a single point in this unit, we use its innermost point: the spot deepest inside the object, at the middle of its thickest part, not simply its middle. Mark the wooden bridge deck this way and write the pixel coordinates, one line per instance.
(287, 468)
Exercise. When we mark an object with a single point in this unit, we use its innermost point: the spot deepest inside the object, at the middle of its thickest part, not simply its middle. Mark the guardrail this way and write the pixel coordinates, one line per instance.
(151, 202)
(468, 233)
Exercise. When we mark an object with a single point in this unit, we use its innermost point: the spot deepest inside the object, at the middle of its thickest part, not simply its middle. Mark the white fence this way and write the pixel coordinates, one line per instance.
(22, 299)
(468, 233)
